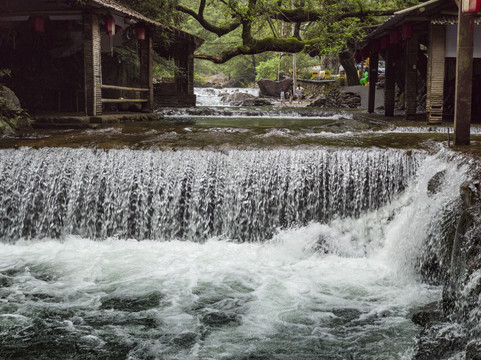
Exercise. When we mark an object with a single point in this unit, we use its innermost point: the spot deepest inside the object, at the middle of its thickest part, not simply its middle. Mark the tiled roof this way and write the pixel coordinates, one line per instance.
(415, 13)
(118, 7)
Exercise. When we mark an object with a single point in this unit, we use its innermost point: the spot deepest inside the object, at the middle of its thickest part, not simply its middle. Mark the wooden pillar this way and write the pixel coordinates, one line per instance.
(92, 65)
(410, 88)
(464, 80)
(190, 74)
(390, 81)
(181, 59)
(436, 70)
(146, 70)
(373, 68)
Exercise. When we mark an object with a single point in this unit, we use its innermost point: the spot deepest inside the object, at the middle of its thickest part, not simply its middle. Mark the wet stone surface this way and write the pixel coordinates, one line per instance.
(236, 128)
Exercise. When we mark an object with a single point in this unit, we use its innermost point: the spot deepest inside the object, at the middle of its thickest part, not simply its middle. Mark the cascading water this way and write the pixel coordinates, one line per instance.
(214, 97)
(240, 195)
(330, 274)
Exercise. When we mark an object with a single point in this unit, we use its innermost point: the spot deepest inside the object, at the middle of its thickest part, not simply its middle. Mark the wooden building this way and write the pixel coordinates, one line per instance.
(430, 43)
(70, 56)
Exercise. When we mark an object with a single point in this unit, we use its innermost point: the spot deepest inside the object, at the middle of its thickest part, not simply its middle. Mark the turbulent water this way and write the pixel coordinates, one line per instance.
(213, 97)
(330, 275)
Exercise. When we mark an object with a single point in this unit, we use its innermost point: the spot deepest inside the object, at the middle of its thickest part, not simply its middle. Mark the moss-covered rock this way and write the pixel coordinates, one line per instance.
(12, 116)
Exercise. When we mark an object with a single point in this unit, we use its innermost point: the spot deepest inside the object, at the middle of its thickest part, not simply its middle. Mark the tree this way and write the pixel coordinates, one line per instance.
(319, 27)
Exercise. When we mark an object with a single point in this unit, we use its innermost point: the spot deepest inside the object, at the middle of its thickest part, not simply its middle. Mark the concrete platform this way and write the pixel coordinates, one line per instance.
(76, 121)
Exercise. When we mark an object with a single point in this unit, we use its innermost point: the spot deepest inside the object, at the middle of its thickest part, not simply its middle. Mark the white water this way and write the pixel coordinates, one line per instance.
(338, 290)
(194, 195)
(213, 97)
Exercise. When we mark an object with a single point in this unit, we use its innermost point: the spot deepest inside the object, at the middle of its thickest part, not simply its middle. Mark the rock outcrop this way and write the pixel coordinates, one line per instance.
(12, 116)
(451, 328)
(337, 99)
(273, 88)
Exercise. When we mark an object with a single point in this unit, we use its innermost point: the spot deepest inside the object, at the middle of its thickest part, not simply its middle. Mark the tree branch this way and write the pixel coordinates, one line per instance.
(219, 31)
(303, 14)
(291, 45)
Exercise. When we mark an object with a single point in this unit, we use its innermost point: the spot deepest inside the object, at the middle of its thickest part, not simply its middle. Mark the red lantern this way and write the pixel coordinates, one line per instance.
(407, 31)
(375, 46)
(140, 32)
(394, 36)
(471, 6)
(358, 57)
(110, 26)
(385, 42)
(39, 24)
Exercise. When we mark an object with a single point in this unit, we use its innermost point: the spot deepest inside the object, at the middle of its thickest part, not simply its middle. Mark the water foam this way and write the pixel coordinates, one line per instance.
(342, 288)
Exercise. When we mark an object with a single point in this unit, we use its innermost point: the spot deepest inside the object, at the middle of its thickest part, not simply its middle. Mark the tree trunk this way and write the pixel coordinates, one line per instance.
(349, 65)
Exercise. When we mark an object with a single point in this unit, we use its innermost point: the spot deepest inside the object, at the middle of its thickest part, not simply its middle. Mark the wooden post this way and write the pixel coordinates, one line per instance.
(146, 70)
(373, 67)
(436, 70)
(92, 65)
(390, 81)
(464, 80)
(190, 73)
(181, 59)
(410, 88)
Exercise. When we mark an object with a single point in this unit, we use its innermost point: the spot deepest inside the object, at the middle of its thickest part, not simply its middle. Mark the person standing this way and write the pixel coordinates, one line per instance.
(290, 94)
(283, 98)
(299, 90)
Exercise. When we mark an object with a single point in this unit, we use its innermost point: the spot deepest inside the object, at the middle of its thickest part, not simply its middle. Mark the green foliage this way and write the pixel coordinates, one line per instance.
(324, 27)
(9, 114)
(161, 10)
(268, 69)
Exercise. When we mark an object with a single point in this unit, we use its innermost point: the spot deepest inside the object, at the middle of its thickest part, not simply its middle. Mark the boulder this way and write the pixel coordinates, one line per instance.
(12, 115)
(427, 314)
(435, 183)
(244, 99)
(470, 192)
(9, 101)
(273, 88)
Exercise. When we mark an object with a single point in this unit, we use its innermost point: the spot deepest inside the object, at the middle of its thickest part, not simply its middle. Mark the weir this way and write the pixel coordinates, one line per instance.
(324, 251)
(193, 195)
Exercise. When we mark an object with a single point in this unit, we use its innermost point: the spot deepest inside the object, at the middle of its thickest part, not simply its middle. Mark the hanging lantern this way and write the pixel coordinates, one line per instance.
(385, 42)
(394, 36)
(407, 31)
(140, 32)
(39, 24)
(375, 46)
(358, 57)
(110, 26)
(471, 6)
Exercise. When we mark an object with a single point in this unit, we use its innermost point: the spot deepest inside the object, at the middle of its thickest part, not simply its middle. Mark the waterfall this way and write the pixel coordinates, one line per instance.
(193, 195)
(323, 266)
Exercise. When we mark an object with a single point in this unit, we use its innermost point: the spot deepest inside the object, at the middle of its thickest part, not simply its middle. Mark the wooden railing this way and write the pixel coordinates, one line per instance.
(122, 99)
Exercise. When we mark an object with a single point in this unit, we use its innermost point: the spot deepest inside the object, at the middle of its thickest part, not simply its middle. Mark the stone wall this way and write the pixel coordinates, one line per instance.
(315, 88)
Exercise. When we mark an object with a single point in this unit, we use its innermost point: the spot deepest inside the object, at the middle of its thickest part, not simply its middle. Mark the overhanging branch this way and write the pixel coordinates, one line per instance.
(304, 14)
(291, 45)
(219, 31)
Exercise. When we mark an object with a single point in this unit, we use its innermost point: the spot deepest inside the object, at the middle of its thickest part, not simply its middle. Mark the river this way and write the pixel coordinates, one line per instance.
(234, 254)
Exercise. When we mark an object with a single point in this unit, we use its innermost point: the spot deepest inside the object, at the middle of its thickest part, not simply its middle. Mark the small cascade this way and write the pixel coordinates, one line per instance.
(191, 195)
(213, 97)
